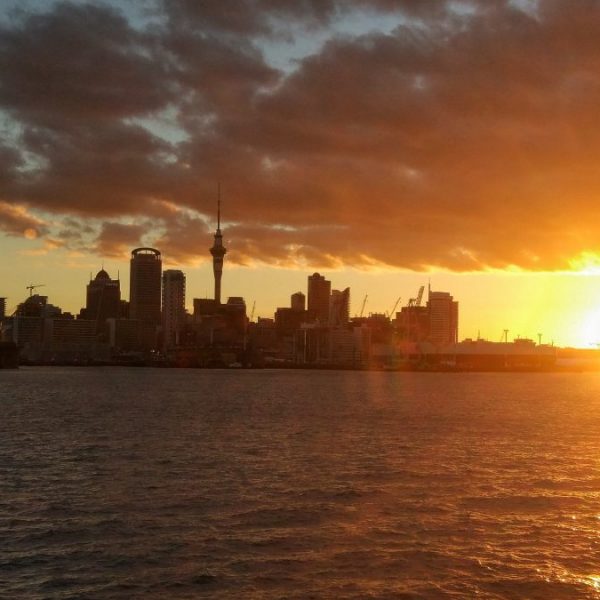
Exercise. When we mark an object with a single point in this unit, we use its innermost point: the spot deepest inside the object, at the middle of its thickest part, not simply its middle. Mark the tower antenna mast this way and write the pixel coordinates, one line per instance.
(218, 205)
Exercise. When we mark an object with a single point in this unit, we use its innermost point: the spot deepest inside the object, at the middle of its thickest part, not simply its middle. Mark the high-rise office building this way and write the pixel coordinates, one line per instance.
(145, 280)
(339, 308)
(103, 299)
(319, 290)
(412, 323)
(173, 306)
(298, 302)
(2, 308)
(218, 252)
(443, 318)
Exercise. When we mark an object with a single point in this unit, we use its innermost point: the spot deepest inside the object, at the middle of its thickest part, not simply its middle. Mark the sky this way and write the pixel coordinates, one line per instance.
(384, 143)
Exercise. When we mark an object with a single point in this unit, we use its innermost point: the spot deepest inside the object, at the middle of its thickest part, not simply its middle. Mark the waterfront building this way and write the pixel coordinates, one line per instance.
(349, 346)
(298, 302)
(71, 341)
(412, 324)
(339, 308)
(124, 335)
(145, 293)
(173, 306)
(319, 290)
(203, 307)
(23, 330)
(287, 320)
(37, 306)
(145, 284)
(103, 299)
(235, 314)
(263, 337)
(443, 318)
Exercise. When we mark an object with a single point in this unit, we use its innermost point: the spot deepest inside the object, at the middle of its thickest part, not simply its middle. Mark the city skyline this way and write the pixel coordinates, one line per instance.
(380, 144)
(563, 327)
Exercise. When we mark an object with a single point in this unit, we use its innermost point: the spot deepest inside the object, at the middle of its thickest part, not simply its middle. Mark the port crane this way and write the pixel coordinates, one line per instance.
(33, 287)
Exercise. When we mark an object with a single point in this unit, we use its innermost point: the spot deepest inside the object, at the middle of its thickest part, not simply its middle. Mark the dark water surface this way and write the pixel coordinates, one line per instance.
(141, 483)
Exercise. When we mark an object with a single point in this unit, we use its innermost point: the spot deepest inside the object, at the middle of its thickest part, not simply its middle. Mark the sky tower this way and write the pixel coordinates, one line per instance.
(218, 250)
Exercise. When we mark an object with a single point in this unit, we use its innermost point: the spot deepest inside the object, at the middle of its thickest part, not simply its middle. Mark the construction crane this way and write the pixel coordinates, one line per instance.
(420, 296)
(252, 311)
(390, 315)
(33, 287)
(364, 303)
(417, 301)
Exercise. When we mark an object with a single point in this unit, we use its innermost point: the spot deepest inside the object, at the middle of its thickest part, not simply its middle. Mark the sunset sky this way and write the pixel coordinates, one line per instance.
(380, 142)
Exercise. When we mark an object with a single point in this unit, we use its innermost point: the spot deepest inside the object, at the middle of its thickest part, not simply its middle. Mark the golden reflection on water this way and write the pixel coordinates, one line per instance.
(593, 581)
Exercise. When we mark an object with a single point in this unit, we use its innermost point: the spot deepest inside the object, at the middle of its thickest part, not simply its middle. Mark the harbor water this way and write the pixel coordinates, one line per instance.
(164, 483)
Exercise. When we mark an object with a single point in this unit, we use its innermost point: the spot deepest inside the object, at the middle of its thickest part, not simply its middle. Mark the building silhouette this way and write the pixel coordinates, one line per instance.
(412, 323)
(2, 308)
(102, 300)
(145, 285)
(218, 252)
(319, 290)
(339, 308)
(145, 294)
(298, 301)
(443, 318)
(173, 306)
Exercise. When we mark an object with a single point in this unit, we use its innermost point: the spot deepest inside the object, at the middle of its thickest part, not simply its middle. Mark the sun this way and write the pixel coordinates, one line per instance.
(588, 334)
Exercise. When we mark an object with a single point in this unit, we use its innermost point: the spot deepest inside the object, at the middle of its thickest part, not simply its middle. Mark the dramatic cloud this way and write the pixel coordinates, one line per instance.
(79, 63)
(463, 136)
(117, 239)
(17, 221)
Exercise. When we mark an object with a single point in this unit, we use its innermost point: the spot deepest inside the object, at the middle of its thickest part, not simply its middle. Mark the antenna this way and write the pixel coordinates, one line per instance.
(218, 205)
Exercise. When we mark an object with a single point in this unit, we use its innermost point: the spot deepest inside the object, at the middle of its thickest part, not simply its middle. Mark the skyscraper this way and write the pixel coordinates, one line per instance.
(298, 301)
(144, 289)
(103, 299)
(443, 318)
(319, 290)
(173, 306)
(2, 308)
(339, 308)
(218, 251)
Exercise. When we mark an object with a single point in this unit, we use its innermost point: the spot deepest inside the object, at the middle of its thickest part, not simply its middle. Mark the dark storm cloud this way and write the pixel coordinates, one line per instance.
(465, 139)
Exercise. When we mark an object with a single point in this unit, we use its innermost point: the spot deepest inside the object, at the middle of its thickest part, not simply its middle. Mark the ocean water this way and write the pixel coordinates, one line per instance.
(150, 483)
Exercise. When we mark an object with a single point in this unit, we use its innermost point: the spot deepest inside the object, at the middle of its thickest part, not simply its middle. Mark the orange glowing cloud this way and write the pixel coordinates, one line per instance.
(458, 138)
(16, 220)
